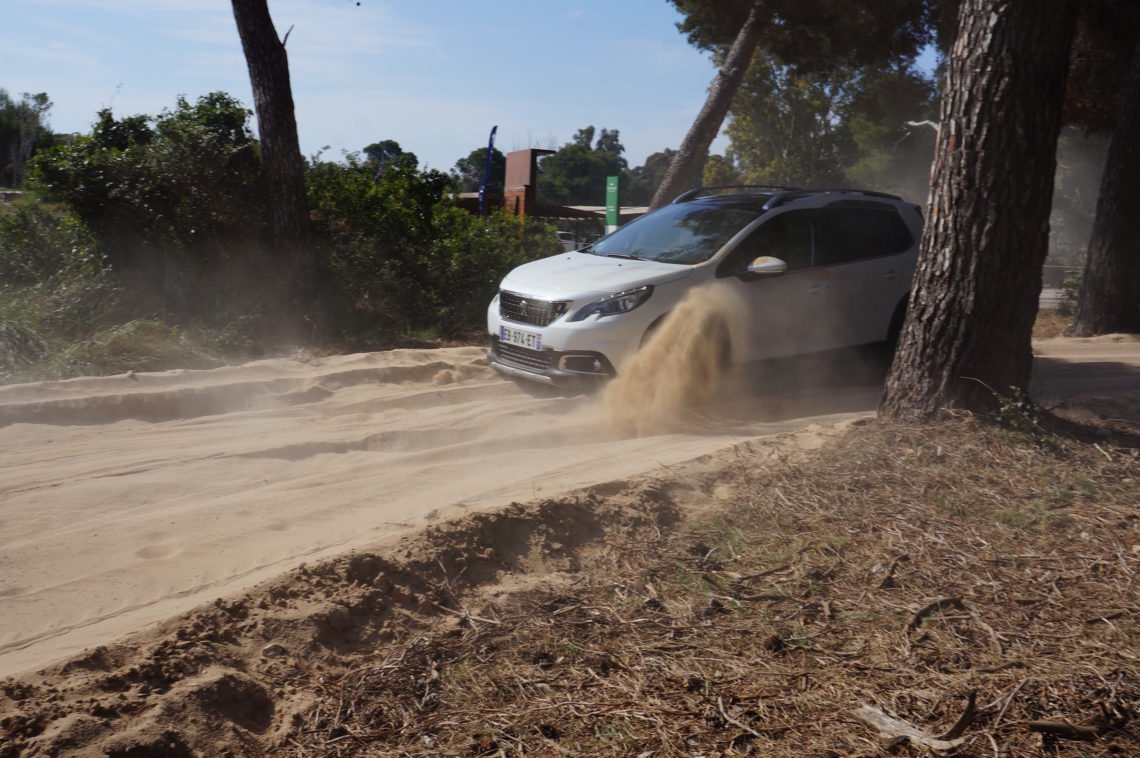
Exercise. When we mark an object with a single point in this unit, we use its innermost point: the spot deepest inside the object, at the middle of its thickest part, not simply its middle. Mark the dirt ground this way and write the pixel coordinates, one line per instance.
(846, 589)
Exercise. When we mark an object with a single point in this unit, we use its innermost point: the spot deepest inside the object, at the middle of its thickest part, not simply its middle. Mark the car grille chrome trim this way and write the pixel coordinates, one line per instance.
(530, 310)
(532, 360)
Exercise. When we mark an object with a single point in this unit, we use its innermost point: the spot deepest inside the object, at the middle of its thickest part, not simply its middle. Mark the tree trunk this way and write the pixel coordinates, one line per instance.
(693, 150)
(978, 278)
(1110, 291)
(283, 167)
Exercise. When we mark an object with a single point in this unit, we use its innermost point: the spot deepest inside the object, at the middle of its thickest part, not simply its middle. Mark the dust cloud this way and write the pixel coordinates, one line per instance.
(679, 370)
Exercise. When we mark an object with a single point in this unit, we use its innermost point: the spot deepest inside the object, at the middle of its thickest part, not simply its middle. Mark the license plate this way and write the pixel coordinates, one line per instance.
(529, 340)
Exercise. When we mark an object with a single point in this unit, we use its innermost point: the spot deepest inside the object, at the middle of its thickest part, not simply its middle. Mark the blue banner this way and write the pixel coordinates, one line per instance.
(487, 167)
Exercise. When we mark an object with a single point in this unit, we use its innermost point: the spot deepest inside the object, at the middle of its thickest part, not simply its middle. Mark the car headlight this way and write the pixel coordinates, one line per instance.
(622, 302)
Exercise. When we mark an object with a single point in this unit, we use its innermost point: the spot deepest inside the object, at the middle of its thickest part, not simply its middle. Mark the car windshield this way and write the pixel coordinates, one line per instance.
(683, 233)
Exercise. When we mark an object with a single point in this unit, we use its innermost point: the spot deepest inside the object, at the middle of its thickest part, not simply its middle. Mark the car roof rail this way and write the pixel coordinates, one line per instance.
(787, 197)
(697, 192)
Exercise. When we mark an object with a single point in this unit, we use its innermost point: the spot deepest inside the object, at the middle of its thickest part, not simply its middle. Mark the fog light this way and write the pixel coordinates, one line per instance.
(582, 364)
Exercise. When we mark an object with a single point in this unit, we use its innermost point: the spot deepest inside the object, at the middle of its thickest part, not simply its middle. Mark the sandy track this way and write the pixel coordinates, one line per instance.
(125, 500)
(170, 489)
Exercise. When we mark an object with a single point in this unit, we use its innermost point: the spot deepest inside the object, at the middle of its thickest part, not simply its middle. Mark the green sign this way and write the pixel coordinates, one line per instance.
(611, 203)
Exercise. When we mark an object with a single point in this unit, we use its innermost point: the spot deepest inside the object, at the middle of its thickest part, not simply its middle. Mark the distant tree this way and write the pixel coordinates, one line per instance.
(283, 166)
(809, 36)
(890, 153)
(387, 152)
(691, 154)
(787, 127)
(641, 182)
(719, 171)
(23, 129)
(576, 173)
(978, 278)
(468, 172)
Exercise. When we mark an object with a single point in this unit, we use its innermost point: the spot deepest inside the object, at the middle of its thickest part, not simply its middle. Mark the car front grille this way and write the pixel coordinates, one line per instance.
(529, 310)
(532, 360)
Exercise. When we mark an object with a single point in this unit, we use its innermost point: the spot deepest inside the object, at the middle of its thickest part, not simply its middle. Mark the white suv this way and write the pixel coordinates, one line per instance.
(813, 270)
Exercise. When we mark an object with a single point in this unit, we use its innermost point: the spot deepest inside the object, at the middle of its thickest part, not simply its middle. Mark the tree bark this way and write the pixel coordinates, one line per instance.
(695, 147)
(978, 279)
(1110, 291)
(283, 168)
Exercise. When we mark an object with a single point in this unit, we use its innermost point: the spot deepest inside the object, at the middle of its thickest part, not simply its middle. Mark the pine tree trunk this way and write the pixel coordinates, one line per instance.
(282, 165)
(691, 155)
(978, 279)
(1110, 291)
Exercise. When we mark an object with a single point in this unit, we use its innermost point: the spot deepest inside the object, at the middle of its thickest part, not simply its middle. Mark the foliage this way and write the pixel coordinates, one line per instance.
(174, 200)
(468, 172)
(816, 35)
(787, 128)
(23, 130)
(720, 170)
(641, 182)
(891, 156)
(1017, 411)
(40, 242)
(383, 153)
(828, 92)
(406, 259)
(831, 128)
(138, 345)
(576, 173)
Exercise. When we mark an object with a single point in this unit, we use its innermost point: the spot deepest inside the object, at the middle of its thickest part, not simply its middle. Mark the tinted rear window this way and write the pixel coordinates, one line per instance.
(856, 232)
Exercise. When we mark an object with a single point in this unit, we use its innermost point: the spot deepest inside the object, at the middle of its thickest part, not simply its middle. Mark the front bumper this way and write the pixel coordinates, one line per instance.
(573, 370)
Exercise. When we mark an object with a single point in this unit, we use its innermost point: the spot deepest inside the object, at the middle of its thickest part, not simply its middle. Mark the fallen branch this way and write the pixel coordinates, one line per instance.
(1109, 721)
(892, 728)
(968, 717)
(940, 604)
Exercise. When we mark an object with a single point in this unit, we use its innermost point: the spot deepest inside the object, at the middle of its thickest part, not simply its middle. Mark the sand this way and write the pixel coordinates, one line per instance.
(125, 500)
(129, 499)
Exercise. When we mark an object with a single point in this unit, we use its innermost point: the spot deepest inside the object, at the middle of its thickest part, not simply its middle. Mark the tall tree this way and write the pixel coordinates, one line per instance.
(387, 153)
(691, 155)
(1110, 290)
(576, 173)
(469, 171)
(23, 129)
(976, 286)
(808, 37)
(283, 166)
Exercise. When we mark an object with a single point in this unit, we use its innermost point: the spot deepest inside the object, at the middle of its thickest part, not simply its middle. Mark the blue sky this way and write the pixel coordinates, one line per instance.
(434, 75)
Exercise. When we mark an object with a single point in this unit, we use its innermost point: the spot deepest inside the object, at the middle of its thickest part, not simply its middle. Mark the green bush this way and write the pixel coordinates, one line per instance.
(40, 242)
(140, 345)
(172, 199)
(408, 260)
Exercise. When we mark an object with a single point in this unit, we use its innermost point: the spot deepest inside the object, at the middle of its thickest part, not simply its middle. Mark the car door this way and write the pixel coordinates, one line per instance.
(868, 253)
(783, 313)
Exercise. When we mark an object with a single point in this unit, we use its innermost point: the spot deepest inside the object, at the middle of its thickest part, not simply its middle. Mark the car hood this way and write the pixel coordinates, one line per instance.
(573, 274)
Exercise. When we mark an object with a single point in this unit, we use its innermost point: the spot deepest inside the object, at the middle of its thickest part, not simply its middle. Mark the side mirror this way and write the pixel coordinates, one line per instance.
(766, 265)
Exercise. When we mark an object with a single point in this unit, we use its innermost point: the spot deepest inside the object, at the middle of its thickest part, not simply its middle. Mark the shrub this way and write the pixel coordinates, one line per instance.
(140, 345)
(407, 259)
(39, 242)
(171, 199)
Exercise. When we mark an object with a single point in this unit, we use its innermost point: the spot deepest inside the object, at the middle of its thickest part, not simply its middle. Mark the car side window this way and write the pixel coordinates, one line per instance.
(855, 232)
(789, 237)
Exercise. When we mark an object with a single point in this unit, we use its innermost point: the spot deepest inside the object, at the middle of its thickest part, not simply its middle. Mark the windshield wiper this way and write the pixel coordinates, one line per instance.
(627, 256)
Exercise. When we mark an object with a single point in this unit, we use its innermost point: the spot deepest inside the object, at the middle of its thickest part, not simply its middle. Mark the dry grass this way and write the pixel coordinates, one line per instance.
(1051, 322)
(913, 570)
